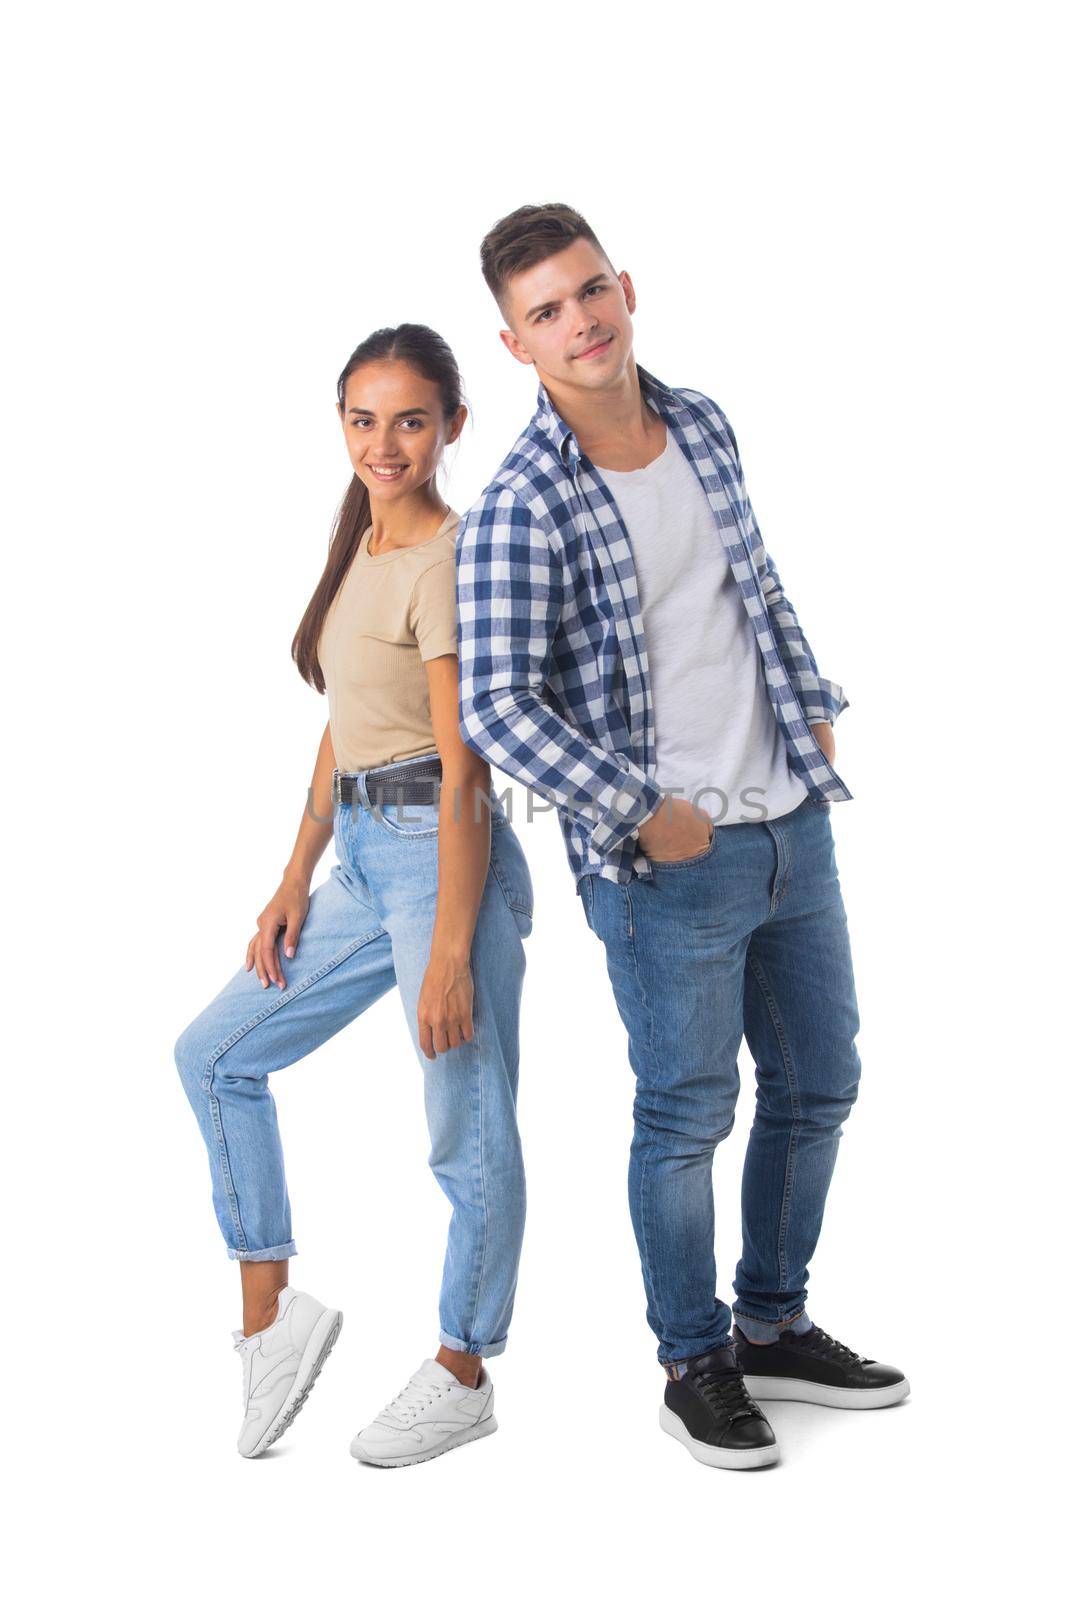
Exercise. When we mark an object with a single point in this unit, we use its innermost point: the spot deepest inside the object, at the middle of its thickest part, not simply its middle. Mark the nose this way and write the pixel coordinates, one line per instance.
(584, 320)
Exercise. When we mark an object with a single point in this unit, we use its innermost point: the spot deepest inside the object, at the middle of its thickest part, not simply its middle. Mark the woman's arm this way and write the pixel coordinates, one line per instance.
(288, 906)
(446, 1002)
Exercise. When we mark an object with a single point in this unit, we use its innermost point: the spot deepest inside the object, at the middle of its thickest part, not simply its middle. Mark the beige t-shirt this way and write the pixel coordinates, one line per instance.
(392, 612)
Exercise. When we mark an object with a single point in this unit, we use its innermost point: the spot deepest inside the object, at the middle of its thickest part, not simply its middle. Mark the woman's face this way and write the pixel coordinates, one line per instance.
(395, 428)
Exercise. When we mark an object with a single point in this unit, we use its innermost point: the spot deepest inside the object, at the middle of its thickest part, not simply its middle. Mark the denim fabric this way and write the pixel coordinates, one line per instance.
(768, 1332)
(369, 927)
(748, 939)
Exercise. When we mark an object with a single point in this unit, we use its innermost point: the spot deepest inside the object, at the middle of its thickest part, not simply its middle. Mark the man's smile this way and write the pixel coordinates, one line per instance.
(594, 349)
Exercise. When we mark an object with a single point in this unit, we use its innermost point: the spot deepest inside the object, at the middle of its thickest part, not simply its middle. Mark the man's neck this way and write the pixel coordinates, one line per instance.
(615, 427)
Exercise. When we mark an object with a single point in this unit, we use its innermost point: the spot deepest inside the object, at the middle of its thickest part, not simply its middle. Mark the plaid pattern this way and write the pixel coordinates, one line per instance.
(554, 679)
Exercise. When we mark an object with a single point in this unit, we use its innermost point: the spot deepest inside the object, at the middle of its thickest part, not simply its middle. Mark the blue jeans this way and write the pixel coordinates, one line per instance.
(748, 939)
(369, 927)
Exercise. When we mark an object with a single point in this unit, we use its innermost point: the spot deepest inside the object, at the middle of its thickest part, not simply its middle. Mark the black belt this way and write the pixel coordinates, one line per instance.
(416, 785)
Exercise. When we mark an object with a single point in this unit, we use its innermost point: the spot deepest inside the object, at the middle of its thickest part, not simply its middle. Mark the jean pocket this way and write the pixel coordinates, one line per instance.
(407, 821)
(585, 893)
(507, 862)
(686, 861)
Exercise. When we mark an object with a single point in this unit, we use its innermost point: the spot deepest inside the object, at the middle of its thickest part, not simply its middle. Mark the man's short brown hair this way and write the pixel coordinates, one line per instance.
(528, 236)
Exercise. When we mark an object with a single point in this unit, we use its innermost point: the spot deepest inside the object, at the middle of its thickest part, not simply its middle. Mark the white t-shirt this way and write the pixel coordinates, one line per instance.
(718, 742)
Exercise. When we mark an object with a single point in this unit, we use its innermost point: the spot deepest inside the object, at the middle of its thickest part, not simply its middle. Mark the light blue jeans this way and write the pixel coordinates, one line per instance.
(369, 927)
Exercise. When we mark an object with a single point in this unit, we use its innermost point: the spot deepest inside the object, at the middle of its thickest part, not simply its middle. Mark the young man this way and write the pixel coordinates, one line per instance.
(626, 649)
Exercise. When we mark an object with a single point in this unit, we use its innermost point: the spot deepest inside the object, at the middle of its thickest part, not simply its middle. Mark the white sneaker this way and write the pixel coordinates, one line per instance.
(433, 1414)
(280, 1366)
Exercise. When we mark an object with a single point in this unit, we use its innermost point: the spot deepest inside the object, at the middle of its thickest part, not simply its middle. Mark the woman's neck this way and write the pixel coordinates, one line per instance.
(409, 521)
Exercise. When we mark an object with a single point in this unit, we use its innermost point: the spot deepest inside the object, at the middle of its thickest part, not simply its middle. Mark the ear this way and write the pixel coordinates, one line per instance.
(628, 291)
(341, 412)
(456, 425)
(512, 343)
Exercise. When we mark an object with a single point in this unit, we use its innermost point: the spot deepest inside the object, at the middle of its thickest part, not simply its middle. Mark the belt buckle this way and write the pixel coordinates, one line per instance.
(337, 786)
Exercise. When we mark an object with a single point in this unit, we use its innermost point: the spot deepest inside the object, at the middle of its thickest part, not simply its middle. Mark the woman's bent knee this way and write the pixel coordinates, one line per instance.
(191, 1057)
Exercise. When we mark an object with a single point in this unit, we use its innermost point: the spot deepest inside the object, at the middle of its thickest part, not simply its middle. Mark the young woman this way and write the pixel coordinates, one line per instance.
(430, 892)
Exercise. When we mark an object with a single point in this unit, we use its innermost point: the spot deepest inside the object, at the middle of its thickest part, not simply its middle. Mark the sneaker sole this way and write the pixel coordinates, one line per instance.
(323, 1338)
(824, 1394)
(468, 1436)
(712, 1455)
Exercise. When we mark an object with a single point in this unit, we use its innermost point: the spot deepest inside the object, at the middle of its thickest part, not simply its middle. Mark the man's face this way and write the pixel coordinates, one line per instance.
(569, 317)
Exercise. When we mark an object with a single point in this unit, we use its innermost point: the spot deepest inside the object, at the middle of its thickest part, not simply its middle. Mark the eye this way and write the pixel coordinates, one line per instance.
(413, 424)
(595, 288)
(544, 314)
(361, 422)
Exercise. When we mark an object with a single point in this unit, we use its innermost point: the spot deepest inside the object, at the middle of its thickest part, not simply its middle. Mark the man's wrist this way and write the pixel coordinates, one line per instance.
(618, 823)
(661, 811)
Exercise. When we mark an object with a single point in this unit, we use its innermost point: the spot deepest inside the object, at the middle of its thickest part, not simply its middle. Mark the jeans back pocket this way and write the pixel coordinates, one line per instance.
(507, 862)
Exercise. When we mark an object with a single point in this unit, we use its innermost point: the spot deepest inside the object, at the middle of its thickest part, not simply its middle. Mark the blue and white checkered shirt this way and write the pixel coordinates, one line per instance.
(554, 677)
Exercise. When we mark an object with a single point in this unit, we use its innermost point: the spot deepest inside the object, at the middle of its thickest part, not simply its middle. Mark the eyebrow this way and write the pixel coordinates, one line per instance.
(550, 305)
(412, 411)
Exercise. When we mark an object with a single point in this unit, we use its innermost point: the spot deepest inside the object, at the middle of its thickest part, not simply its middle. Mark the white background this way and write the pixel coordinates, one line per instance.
(838, 221)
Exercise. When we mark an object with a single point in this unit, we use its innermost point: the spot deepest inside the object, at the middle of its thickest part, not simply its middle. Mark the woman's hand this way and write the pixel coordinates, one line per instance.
(446, 1006)
(286, 910)
(446, 1002)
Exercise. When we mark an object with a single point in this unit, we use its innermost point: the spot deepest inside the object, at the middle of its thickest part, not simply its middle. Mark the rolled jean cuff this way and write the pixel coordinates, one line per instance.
(678, 1367)
(764, 1332)
(274, 1252)
(468, 1347)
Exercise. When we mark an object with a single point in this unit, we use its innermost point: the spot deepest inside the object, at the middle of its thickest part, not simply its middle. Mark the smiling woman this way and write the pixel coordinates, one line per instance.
(410, 903)
(404, 405)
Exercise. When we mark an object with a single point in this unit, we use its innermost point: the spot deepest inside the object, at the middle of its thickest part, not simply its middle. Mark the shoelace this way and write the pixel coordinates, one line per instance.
(726, 1395)
(820, 1343)
(420, 1392)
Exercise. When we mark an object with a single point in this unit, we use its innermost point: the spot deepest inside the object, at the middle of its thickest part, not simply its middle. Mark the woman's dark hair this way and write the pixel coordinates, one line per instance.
(430, 356)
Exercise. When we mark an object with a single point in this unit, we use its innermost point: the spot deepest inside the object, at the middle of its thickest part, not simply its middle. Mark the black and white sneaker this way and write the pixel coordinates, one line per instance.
(709, 1411)
(811, 1366)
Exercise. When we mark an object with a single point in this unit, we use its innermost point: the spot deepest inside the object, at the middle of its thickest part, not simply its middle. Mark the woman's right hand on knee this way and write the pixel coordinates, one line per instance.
(287, 909)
